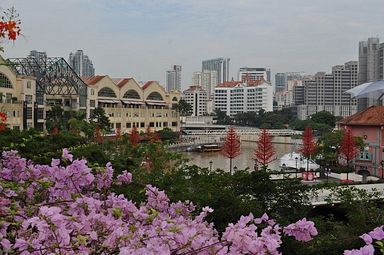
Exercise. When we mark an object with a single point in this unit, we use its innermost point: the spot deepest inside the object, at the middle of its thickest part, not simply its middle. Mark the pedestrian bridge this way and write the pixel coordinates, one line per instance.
(244, 132)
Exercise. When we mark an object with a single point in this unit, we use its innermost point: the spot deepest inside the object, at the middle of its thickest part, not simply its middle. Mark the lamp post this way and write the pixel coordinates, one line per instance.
(210, 165)
(296, 158)
(382, 169)
(235, 169)
(256, 167)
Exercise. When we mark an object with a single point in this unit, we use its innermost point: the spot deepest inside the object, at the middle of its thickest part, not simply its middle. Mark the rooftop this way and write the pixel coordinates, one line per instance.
(372, 116)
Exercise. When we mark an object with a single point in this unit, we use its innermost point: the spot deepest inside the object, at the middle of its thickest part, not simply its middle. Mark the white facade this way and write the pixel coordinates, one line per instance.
(206, 79)
(173, 78)
(254, 74)
(238, 97)
(197, 98)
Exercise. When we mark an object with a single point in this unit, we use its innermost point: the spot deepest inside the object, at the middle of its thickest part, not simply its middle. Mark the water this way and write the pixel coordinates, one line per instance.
(244, 160)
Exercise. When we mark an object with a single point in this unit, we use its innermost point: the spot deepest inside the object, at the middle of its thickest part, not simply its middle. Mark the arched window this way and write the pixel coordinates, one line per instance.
(155, 96)
(174, 99)
(5, 82)
(106, 92)
(131, 94)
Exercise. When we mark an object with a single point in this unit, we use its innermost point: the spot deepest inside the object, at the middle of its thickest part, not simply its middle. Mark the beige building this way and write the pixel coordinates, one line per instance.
(126, 103)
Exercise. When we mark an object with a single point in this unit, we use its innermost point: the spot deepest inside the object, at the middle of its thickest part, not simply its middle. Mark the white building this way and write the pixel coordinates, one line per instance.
(196, 96)
(254, 74)
(206, 79)
(237, 97)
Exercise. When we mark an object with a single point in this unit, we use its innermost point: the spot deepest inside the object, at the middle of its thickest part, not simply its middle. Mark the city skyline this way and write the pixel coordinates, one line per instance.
(142, 39)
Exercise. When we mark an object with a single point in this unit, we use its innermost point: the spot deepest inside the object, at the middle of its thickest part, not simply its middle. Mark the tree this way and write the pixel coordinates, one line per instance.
(264, 152)
(348, 149)
(308, 148)
(324, 117)
(184, 108)
(222, 118)
(134, 138)
(231, 148)
(9, 25)
(55, 118)
(3, 121)
(100, 119)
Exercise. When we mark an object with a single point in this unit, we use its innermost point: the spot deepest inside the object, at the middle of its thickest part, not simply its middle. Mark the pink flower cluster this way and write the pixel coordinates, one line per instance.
(54, 209)
(368, 249)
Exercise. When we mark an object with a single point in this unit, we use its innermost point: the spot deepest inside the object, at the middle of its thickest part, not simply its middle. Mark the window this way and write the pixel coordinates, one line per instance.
(8, 98)
(40, 113)
(29, 113)
(142, 124)
(106, 92)
(92, 92)
(118, 125)
(174, 124)
(5, 82)
(364, 155)
(155, 96)
(131, 94)
(128, 124)
(151, 124)
(28, 99)
(92, 103)
(29, 84)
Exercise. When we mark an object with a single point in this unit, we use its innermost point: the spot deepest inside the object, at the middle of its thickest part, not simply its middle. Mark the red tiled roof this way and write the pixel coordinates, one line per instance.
(255, 83)
(372, 116)
(93, 80)
(229, 84)
(122, 82)
(146, 85)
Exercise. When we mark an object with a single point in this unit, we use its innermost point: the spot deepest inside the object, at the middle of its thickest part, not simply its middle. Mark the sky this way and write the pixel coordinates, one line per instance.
(144, 38)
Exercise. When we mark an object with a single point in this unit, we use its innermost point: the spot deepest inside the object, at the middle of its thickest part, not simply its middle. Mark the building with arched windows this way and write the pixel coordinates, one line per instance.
(126, 103)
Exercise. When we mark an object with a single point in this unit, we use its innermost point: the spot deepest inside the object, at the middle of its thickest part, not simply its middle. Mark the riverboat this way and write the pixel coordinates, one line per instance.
(209, 147)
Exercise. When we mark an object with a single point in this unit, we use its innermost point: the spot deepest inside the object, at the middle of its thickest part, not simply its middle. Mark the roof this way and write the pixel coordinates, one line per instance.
(231, 84)
(372, 116)
(93, 80)
(193, 88)
(146, 85)
(121, 82)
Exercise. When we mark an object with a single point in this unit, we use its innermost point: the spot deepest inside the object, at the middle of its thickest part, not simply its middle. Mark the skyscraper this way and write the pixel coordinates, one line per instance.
(173, 79)
(206, 79)
(371, 64)
(280, 79)
(220, 65)
(81, 64)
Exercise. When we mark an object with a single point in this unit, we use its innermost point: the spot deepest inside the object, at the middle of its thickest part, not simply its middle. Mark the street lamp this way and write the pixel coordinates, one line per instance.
(256, 167)
(382, 169)
(235, 169)
(296, 158)
(210, 165)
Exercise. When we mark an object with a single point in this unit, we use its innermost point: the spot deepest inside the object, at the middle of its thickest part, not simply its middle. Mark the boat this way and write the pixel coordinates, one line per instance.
(295, 160)
(209, 147)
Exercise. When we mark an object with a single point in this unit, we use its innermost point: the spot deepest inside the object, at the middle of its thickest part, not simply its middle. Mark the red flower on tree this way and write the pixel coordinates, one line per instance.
(264, 152)
(348, 149)
(9, 25)
(134, 138)
(308, 148)
(3, 121)
(231, 148)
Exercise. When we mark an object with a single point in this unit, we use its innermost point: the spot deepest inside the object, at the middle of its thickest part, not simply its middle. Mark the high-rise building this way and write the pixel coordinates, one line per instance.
(254, 74)
(206, 79)
(81, 64)
(196, 96)
(236, 97)
(173, 79)
(371, 66)
(220, 65)
(325, 92)
(280, 79)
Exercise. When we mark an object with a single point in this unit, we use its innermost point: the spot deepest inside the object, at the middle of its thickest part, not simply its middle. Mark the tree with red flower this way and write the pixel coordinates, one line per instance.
(134, 138)
(308, 147)
(264, 152)
(348, 150)
(231, 148)
(9, 25)
(3, 121)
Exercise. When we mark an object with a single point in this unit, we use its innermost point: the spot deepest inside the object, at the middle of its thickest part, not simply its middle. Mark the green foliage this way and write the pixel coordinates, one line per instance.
(262, 119)
(222, 118)
(167, 134)
(183, 108)
(99, 118)
(324, 117)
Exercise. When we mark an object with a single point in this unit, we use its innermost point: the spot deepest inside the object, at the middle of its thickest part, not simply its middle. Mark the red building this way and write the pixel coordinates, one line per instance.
(368, 124)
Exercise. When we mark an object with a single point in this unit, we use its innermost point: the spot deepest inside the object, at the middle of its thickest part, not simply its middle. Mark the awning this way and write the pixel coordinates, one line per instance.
(127, 101)
(151, 102)
(110, 101)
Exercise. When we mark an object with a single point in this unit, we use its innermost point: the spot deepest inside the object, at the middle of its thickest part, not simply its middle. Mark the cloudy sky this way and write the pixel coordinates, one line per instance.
(143, 38)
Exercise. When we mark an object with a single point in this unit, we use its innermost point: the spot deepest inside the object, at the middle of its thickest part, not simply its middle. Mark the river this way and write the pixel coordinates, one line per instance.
(243, 161)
